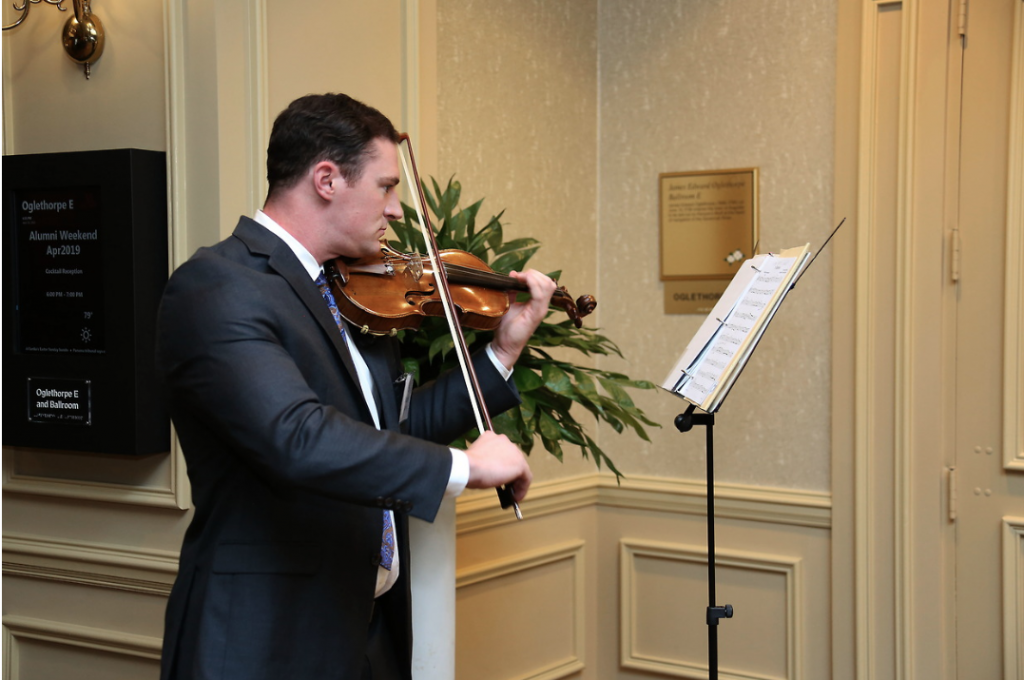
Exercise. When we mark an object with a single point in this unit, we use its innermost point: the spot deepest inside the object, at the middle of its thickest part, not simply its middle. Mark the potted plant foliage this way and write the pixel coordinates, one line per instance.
(549, 386)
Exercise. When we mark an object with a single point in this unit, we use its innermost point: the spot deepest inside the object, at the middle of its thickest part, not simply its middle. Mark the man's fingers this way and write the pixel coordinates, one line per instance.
(495, 461)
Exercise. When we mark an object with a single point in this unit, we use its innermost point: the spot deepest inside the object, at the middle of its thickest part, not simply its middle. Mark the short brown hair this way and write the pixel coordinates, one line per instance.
(320, 127)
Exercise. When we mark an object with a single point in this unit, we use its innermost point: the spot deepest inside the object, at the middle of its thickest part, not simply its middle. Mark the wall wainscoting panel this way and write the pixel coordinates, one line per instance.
(664, 591)
(171, 490)
(113, 642)
(83, 610)
(540, 599)
(38, 648)
(645, 579)
(600, 581)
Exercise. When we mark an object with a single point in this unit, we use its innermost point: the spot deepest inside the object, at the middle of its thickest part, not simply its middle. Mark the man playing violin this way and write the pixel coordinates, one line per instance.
(304, 467)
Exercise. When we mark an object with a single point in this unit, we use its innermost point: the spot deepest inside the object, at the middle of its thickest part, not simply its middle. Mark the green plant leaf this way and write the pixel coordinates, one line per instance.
(585, 385)
(526, 379)
(616, 392)
(441, 345)
(556, 380)
(553, 447)
(548, 426)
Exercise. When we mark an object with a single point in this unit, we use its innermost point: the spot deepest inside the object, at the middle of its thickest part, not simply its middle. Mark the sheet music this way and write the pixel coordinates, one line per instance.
(732, 295)
(724, 343)
(734, 330)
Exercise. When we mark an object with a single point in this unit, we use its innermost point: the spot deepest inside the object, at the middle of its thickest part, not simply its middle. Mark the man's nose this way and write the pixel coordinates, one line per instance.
(393, 210)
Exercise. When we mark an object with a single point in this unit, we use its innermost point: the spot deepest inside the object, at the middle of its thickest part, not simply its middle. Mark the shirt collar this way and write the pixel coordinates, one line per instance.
(308, 262)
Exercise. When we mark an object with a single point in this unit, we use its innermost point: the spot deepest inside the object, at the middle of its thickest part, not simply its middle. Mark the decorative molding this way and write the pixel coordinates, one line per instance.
(259, 100)
(8, 97)
(866, 428)
(1013, 598)
(865, 356)
(177, 185)
(524, 562)
(788, 567)
(1013, 346)
(479, 511)
(177, 149)
(147, 572)
(88, 637)
(156, 497)
(11, 669)
(81, 578)
(903, 435)
(161, 561)
(410, 11)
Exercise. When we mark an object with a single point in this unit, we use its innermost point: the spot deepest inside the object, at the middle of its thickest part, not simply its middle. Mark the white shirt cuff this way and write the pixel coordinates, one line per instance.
(459, 476)
(506, 373)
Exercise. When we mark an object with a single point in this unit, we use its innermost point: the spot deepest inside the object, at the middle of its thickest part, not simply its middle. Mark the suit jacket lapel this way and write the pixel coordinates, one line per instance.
(282, 260)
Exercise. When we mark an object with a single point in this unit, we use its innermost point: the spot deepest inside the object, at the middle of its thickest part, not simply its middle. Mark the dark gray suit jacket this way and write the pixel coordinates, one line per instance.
(288, 473)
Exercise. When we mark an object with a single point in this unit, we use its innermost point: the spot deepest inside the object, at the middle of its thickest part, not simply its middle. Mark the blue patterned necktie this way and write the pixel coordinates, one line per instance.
(387, 541)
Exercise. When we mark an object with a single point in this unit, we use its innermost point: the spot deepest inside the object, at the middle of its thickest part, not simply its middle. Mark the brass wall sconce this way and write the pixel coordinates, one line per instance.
(82, 35)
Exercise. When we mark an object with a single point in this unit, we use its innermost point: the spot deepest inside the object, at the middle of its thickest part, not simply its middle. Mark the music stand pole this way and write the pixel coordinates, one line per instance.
(684, 423)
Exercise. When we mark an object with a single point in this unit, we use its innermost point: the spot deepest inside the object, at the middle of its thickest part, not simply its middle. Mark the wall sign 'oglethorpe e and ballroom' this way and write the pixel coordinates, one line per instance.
(85, 263)
(708, 225)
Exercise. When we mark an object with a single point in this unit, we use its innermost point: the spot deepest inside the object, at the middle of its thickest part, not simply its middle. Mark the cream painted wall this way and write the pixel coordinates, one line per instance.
(694, 86)
(517, 126)
(49, 106)
(565, 113)
(355, 48)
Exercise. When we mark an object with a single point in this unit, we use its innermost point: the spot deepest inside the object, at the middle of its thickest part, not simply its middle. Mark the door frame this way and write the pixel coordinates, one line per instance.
(891, 381)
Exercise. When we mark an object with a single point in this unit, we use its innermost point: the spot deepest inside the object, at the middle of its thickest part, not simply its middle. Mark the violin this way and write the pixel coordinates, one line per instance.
(395, 291)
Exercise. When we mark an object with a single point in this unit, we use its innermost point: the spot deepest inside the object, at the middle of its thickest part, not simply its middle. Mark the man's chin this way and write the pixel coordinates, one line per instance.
(371, 250)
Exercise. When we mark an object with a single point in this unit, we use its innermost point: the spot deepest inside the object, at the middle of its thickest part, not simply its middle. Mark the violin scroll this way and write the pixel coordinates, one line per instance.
(584, 305)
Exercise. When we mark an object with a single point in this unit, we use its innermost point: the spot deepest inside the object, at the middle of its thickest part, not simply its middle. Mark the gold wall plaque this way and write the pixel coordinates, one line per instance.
(705, 218)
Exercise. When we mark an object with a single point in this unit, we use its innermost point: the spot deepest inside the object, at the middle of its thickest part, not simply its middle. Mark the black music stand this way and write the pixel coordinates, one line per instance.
(754, 294)
(709, 401)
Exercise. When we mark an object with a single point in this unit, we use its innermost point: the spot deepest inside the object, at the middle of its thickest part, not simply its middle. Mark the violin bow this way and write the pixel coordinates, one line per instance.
(476, 397)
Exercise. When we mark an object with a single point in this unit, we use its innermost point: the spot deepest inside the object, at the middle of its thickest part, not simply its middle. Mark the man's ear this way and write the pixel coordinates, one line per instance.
(327, 180)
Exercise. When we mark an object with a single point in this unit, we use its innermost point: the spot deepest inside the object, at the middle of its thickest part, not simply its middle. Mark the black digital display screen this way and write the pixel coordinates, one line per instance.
(59, 299)
(84, 266)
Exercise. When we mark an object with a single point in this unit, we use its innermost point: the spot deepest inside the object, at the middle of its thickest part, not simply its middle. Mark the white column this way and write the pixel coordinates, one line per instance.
(432, 546)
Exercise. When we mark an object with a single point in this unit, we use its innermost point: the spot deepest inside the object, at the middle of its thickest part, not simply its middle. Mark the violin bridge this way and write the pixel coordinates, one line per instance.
(415, 266)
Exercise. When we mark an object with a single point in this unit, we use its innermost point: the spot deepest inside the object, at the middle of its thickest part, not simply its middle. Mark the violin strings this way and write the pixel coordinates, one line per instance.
(480, 277)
